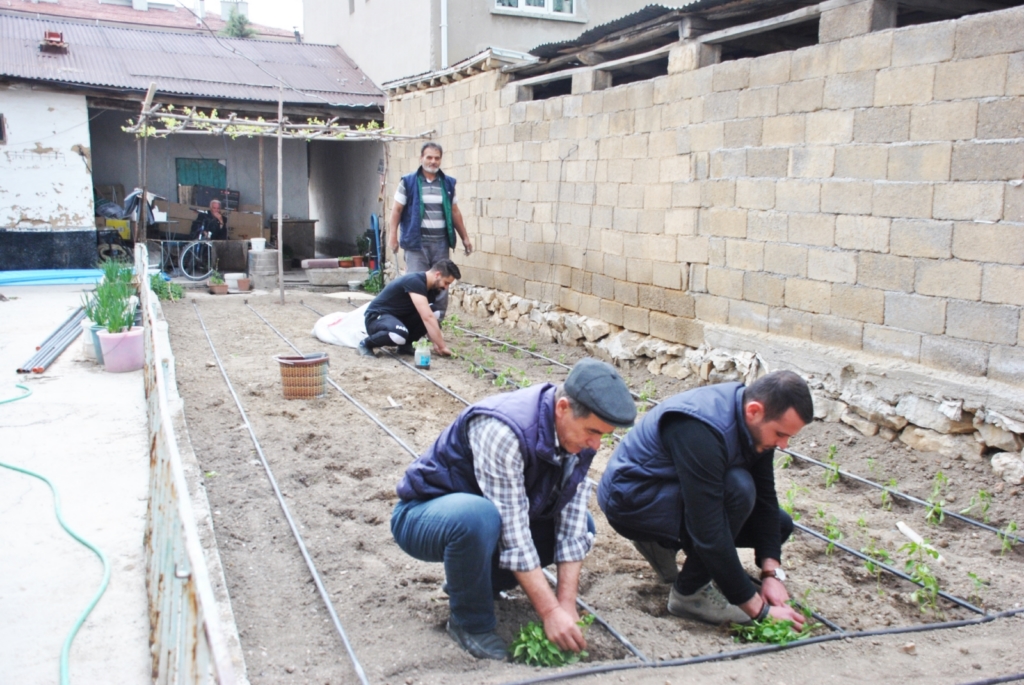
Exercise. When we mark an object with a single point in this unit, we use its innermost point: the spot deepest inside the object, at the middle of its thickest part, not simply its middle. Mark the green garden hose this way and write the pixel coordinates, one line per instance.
(65, 678)
(18, 397)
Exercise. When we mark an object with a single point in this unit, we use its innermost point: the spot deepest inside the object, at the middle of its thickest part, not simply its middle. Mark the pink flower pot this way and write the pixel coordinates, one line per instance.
(122, 351)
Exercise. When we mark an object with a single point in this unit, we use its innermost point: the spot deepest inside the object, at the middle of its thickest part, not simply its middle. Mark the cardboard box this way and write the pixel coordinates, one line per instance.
(252, 209)
(243, 225)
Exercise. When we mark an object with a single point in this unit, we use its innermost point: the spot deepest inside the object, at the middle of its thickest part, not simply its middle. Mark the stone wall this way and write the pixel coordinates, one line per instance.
(862, 194)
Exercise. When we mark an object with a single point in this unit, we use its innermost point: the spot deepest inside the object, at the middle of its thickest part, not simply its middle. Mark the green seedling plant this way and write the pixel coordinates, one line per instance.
(916, 566)
(832, 530)
(165, 290)
(771, 631)
(832, 467)
(789, 505)
(783, 460)
(887, 494)
(981, 499)
(1007, 537)
(935, 514)
(533, 648)
(877, 555)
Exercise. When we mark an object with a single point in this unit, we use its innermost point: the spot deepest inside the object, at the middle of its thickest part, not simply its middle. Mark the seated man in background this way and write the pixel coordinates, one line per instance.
(404, 311)
(210, 225)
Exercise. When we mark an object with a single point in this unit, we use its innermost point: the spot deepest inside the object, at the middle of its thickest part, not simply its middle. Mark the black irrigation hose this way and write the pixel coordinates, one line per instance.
(997, 679)
(767, 649)
(284, 508)
(538, 355)
(903, 495)
(896, 572)
(814, 614)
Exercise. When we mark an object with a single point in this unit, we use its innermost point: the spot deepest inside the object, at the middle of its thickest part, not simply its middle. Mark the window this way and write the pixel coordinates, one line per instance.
(555, 7)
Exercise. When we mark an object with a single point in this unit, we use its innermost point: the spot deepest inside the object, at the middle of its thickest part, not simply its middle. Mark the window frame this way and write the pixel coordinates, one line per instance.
(546, 12)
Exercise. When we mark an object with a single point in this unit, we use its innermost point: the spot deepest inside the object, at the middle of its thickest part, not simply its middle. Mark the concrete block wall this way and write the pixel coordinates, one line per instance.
(864, 193)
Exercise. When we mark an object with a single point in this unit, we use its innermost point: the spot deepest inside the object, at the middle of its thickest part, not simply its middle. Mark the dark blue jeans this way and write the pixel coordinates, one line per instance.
(464, 532)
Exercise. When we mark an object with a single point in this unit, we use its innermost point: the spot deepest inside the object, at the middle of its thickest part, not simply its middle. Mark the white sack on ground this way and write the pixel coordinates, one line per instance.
(342, 328)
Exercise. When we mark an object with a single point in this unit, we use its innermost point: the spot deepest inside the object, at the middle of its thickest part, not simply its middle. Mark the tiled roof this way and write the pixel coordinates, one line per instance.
(184, 64)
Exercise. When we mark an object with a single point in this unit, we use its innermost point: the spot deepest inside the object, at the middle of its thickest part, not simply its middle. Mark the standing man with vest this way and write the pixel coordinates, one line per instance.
(697, 474)
(426, 217)
(503, 492)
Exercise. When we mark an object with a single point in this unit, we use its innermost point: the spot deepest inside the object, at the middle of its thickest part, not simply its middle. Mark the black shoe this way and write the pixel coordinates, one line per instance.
(364, 350)
(406, 349)
(480, 645)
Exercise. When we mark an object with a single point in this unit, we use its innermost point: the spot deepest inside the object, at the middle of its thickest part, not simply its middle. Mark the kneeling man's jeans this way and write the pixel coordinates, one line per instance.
(464, 531)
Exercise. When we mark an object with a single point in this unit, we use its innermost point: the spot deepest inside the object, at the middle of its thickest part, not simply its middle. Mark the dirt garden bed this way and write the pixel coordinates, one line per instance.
(338, 470)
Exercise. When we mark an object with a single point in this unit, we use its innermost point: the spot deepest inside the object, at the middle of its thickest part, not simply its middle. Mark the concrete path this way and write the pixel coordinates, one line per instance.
(85, 430)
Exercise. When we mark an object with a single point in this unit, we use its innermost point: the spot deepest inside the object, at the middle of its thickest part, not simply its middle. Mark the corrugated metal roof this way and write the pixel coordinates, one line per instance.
(185, 64)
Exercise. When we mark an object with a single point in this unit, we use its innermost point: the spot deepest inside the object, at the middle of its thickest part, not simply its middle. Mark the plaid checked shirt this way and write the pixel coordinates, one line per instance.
(498, 465)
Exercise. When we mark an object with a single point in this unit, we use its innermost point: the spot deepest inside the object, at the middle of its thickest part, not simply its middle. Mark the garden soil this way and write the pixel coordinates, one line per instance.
(338, 470)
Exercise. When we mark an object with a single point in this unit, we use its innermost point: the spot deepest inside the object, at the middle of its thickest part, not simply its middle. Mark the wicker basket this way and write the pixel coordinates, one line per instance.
(304, 378)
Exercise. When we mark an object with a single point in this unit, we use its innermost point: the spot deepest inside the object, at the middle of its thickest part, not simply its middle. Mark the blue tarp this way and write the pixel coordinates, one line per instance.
(51, 277)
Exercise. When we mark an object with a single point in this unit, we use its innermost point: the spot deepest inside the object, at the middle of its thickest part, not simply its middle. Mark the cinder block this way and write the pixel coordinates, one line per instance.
(812, 229)
(636, 319)
(731, 75)
(1013, 203)
(995, 161)
(725, 282)
(749, 315)
(795, 324)
(915, 313)
(1006, 364)
(770, 227)
(725, 222)
(904, 85)
(721, 106)
(611, 312)
(959, 356)
(745, 255)
(944, 121)
(993, 323)
(797, 196)
(693, 249)
(658, 195)
(862, 161)
(1001, 119)
(612, 242)
(862, 233)
(744, 133)
(927, 162)
(659, 248)
(971, 78)
(801, 96)
(808, 296)
(990, 33)
(651, 221)
(669, 274)
(626, 293)
(770, 70)
(855, 19)
(788, 260)
(686, 194)
(982, 201)
(846, 197)
(681, 221)
(887, 342)
(711, 309)
(814, 61)
(865, 53)
(829, 128)
(1003, 284)
(812, 161)
(602, 286)
(764, 288)
(679, 304)
(948, 278)
(902, 200)
(834, 266)
(758, 102)
(926, 44)
(836, 331)
(677, 329)
(698, 278)
(718, 193)
(1015, 75)
(860, 304)
(1000, 243)
(847, 91)
(639, 270)
(881, 125)
(768, 162)
(652, 298)
(753, 193)
(886, 272)
(783, 130)
(918, 238)
(728, 163)
(704, 137)
(691, 55)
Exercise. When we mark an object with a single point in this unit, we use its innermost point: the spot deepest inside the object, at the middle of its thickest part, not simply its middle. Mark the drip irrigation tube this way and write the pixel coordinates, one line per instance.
(902, 495)
(513, 346)
(997, 679)
(284, 508)
(899, 574)
(65, 652)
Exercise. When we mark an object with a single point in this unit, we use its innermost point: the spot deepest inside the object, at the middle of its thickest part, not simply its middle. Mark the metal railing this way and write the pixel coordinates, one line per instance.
(187, 640)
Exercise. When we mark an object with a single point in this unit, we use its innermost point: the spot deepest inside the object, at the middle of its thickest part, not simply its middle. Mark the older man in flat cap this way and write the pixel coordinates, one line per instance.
(503, 492)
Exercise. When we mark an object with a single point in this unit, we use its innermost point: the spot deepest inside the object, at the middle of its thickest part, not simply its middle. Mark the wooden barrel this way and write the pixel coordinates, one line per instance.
(263, 269)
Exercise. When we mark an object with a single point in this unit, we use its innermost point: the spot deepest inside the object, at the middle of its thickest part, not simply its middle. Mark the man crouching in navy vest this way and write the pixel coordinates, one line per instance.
(503, 492)
(697, 474)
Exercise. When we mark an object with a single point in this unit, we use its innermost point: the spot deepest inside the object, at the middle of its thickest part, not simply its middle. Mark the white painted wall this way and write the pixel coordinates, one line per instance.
(343, 189)
(45, 181)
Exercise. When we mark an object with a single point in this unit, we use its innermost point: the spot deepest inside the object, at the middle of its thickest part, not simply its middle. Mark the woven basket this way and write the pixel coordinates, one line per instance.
(304, 378)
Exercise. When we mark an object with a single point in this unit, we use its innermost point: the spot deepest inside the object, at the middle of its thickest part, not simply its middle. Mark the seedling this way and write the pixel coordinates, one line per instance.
(832, 531)
(877, 554)
(1007, 537)
(789, 506)
(871, 464)
(862, 522)
(770, 631)
(832, 467)
(935, 514)
(533, 346)
(783, 460)
(533, 648)
(449, 323)
(645, 395)
(982, 499)
(164, 289)
(887, 494)
(916, 567)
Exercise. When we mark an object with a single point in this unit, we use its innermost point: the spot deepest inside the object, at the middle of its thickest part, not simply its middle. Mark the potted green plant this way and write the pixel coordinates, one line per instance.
(346, 262)
(363, 248)
(113, 290)
(121, 343)
(216, 284)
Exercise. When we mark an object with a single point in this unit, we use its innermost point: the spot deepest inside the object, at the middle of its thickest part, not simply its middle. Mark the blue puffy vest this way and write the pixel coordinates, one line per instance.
(409, 236)
(447, 466)
(640, 487)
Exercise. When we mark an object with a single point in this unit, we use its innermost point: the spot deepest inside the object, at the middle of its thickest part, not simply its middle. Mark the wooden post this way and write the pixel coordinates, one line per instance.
(140, 225)
(263, 184)
(280, 190)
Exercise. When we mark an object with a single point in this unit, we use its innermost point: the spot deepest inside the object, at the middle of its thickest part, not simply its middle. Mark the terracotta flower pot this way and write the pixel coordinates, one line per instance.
(358, 261)
(243, 284)
(346, 263)
(218, 289)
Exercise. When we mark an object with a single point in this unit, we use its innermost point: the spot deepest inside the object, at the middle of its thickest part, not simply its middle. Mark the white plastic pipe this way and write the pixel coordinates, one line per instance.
(444, 34)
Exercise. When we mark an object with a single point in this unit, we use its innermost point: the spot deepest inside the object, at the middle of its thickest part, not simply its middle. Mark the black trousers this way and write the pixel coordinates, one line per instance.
(387, 329)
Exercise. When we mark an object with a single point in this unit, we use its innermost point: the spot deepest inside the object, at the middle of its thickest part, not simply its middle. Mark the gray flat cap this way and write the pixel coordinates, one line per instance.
(599, 387)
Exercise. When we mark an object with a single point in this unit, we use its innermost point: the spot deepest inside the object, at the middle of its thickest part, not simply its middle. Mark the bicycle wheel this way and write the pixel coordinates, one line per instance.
(197, 260)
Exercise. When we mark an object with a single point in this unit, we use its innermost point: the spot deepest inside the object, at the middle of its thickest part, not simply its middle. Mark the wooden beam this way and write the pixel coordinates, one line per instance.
(733, 32)
(952, 9)
(606, 66)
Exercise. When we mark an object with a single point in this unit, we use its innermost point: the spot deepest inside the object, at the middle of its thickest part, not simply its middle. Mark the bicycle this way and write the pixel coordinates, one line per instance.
(198, 258)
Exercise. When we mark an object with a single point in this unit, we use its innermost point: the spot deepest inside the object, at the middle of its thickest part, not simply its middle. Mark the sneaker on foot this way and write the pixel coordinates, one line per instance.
(661, 559)
(480, 645)
(364, 350)
(706, 604)
(406, 349)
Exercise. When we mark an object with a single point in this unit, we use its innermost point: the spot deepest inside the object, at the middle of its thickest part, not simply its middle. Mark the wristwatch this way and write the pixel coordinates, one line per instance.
(777, 573)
